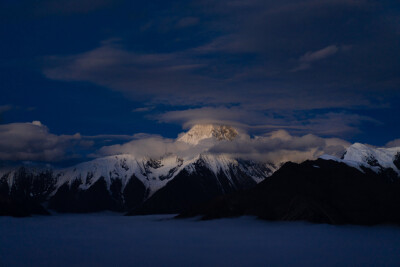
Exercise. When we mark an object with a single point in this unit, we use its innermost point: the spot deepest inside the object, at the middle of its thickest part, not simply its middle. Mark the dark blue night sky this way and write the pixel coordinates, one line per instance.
(111, 69)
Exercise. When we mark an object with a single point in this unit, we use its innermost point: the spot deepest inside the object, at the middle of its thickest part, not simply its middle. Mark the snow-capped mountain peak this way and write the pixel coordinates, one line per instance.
(200, 132)
(376, 158)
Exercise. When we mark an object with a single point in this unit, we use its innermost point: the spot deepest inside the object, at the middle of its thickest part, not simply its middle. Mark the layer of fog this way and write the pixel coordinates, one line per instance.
(112, 240)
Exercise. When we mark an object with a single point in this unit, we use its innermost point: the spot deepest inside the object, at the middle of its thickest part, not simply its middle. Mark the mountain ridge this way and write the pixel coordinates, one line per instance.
(147, 185)
(115, 176)
(318, 191)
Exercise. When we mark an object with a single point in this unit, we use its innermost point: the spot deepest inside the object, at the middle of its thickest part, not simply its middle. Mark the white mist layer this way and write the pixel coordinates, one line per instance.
(112, 240)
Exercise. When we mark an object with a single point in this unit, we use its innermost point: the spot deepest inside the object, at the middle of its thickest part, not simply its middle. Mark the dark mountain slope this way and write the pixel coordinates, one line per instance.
(28, 190)
(321, 191)
(97, 197)
(190, 189)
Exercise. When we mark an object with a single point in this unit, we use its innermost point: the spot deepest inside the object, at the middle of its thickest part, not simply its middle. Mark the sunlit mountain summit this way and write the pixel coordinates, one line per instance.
(200, 132)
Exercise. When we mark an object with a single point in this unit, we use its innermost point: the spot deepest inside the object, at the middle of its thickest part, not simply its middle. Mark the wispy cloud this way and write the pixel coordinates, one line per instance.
(187, 22)
(393, 143)
(324, 124)
(144, 109)
(4, 108)
(189, 78)
(308, 58)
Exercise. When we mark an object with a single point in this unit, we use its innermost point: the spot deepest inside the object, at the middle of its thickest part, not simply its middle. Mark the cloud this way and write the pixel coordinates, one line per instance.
(145, 146)
(325, 124)
(187, 22)
(143, 109)
(309, 57)
(280, 146)
(4, 108)
(250, 46)
(33, 141)
(229, 43)
(275, 147)
(163, 75)
(249, 54)
(320, 54)
(211, 115)
(188, 78)
(393, 143)
(338, 123)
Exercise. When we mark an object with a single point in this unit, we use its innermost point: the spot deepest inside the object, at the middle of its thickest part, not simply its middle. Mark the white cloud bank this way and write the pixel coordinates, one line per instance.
(153, 146)
(280, 146)
(276, 147)
(33, 141)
